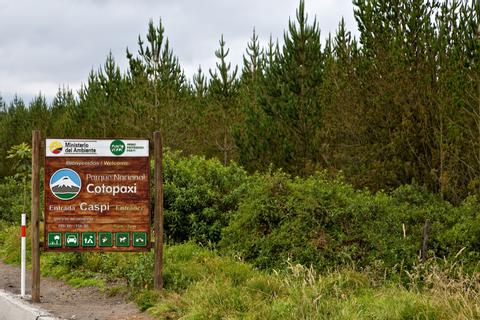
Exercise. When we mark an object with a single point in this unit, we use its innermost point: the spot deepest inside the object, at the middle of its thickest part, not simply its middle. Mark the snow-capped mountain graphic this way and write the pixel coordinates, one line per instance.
(64, 184)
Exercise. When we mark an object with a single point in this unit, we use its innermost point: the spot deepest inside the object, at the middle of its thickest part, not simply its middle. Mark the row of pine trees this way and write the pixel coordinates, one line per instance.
(398, 104)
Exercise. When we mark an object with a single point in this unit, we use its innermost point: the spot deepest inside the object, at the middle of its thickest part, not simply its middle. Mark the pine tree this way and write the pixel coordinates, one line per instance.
(253, 61)
(39, 114)
(417, 73)
(223, 109)
(16, 127)
(200, 83)
(62, 112)
(342, 127)
(289, 95)
(394, 78)
(252, 154)
(158, 87)
(101, 102)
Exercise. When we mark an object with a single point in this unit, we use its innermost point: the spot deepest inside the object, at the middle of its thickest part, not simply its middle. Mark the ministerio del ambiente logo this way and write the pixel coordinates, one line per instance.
(56, 147)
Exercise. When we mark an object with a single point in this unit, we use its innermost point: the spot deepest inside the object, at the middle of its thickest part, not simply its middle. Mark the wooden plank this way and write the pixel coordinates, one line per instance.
(35, 232)
(158, 220)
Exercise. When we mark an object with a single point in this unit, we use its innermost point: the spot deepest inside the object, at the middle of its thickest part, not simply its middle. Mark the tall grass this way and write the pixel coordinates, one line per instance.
(201, 284)
(300, 292)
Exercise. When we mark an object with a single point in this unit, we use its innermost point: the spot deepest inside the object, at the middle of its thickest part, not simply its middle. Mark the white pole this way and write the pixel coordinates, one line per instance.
(23, 255)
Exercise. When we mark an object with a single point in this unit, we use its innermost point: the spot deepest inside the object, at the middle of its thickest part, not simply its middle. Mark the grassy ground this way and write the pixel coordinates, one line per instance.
(200, 284)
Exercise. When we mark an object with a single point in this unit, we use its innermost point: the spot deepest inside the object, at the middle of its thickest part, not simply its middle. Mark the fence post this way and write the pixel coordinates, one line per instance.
(426, 233)
(23, 253)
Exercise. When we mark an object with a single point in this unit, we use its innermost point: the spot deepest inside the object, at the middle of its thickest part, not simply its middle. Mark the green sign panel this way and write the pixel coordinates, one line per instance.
(139, 239)
(88, 239)
(105, 239)
(54, 240)
(72, 239)
(122, 239)
(117, 147)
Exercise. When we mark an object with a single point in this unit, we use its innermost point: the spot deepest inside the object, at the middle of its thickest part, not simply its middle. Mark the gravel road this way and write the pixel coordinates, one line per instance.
(66, 302)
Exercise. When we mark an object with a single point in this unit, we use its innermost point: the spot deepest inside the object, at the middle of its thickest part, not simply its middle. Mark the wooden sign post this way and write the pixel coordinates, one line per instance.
(158, 220)
(35, 219)
(97, 195)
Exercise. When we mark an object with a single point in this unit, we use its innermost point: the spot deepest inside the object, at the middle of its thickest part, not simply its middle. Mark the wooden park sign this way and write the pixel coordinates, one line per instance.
(97, 195)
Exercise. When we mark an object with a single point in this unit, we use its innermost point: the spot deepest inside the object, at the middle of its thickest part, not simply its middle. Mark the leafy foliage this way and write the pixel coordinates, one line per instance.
(199, 197)
(12, 203)
(326, 223)
(271, 218)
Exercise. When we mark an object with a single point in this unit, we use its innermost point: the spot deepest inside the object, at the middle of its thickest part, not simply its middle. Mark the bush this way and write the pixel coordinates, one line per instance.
(199, 196)
(326, 223)
(10, 241)
(271, 218)
(11, 199)
(199, 284)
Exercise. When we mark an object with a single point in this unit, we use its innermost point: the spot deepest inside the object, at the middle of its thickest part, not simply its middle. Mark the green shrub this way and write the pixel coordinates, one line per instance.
(272, 218)
(10, 241)
(199, 284)
(146, 299)
(11, 199)
(199, 196)
(327, 223)
(139, 271)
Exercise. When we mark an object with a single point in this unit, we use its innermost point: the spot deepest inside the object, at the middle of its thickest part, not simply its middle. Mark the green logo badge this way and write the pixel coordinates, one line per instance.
(88, 239)
(122, 239)
(117, 147)
(71, 239)
(54, 240)
(139, 239)
(105, 239)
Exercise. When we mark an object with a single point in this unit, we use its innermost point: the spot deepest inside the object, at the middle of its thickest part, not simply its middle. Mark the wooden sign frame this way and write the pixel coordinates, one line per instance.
(97, 195)
(35, 213)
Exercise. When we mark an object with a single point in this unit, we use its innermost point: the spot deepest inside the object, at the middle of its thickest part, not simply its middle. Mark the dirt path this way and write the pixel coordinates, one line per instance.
(66, 302)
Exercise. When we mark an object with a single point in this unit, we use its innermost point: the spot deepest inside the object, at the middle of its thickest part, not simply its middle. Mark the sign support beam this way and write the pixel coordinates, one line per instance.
(158, 219)
(35, 220)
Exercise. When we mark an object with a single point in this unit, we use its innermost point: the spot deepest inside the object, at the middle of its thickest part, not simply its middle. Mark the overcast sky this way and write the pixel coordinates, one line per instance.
(51, 43)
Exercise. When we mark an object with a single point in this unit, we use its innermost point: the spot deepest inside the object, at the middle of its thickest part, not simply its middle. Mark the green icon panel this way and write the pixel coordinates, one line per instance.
(139, 239)
(88, 239)
(105, 239)
(122, 239)
(72, 239)
(54, 240)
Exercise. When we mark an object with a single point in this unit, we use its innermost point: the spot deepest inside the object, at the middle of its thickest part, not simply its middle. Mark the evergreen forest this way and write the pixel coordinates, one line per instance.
(398, 104)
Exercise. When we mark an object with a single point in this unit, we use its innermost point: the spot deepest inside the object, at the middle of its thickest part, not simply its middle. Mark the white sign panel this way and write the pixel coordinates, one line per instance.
(99, 148)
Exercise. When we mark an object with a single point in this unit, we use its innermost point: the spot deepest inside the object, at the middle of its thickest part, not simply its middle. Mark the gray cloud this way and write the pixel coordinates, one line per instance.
(47, 44)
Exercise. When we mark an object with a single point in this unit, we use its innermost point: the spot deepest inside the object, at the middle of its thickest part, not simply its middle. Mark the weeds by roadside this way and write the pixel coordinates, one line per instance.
(201, 284)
